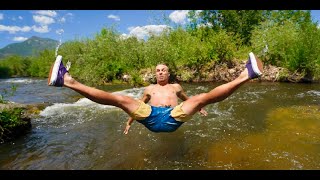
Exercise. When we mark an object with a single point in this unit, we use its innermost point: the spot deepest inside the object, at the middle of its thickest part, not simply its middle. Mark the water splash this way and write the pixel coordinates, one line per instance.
(60, 32)
(57, 48)
(85, 104)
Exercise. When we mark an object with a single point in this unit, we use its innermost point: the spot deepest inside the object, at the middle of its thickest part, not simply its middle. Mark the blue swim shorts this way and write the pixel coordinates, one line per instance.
(160, 119)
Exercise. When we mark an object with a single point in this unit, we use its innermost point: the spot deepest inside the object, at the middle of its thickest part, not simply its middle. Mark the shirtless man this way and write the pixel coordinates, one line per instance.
(162, 114)
(163, 95)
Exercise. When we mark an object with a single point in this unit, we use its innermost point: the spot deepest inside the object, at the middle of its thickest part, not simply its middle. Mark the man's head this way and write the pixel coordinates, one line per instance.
(162, 74)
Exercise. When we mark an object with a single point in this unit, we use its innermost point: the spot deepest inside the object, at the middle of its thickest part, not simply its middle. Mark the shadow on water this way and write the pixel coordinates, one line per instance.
(260, 126)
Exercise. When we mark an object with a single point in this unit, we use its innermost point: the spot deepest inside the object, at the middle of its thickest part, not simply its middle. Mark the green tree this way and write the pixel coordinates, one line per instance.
(239, 22)
(242, 22)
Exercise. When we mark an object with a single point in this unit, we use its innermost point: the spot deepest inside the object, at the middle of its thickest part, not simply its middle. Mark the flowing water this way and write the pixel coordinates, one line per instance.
(260, 126)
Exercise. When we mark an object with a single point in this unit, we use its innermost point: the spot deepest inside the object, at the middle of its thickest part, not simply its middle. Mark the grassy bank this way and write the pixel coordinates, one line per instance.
(13, 122)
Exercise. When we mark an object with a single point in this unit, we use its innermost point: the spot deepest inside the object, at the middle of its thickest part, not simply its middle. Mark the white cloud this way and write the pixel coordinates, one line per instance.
(41, 29)
(14, 29)
(47, 13)
(142, 32)
(59, 31)
(1, 16)
(20, 17)
(62, 20)
(114, 17)
(19, 38)
(65, 17)
(179, 16)
(43, 20)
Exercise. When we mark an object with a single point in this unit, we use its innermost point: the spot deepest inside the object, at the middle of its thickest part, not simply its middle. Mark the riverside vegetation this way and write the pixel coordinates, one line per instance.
(213, 47)
(15, 118)
(12, 121)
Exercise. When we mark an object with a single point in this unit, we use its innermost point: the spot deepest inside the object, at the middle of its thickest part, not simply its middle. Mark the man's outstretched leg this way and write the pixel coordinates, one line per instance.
(59, 76)
(253, 70)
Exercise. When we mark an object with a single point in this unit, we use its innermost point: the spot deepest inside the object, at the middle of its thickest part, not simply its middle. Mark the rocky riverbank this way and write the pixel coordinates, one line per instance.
(226, 73)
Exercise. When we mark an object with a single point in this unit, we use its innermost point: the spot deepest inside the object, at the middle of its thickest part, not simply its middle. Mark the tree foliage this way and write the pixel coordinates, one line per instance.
(286, 38)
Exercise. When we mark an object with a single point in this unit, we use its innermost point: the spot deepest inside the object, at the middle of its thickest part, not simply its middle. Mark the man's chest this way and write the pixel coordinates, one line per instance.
(163, 92)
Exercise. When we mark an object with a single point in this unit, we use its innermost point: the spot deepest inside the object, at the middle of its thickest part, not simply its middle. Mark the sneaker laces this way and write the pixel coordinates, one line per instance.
(68, 65)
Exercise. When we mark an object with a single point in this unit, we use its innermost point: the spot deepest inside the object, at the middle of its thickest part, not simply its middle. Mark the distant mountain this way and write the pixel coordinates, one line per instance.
(31, 46)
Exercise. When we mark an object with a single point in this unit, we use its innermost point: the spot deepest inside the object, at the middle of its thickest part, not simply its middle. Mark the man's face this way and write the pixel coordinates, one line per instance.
(162, 73)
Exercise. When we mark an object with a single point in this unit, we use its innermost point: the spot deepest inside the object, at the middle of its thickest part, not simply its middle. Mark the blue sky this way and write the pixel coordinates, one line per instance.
(64, 25)
(18, 25)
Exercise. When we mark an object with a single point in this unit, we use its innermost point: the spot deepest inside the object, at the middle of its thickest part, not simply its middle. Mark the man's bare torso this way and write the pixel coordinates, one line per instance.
(166, 95)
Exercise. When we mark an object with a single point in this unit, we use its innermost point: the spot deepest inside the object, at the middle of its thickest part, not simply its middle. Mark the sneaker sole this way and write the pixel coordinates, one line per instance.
(53, 74)
(257, 65)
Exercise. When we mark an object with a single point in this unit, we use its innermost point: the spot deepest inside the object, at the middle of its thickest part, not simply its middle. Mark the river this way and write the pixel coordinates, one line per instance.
(262, 126)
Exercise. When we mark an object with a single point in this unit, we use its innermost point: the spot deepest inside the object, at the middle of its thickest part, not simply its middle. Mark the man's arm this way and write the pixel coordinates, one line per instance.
(183, 96)
(145, 98)
(180, 92)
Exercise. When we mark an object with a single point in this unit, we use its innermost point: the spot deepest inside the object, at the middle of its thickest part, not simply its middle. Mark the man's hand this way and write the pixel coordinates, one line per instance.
(126, 130)
(203, 112)
(128, 125)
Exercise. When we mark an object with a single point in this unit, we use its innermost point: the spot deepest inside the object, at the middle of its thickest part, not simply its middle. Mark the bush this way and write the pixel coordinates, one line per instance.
(12, 124)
